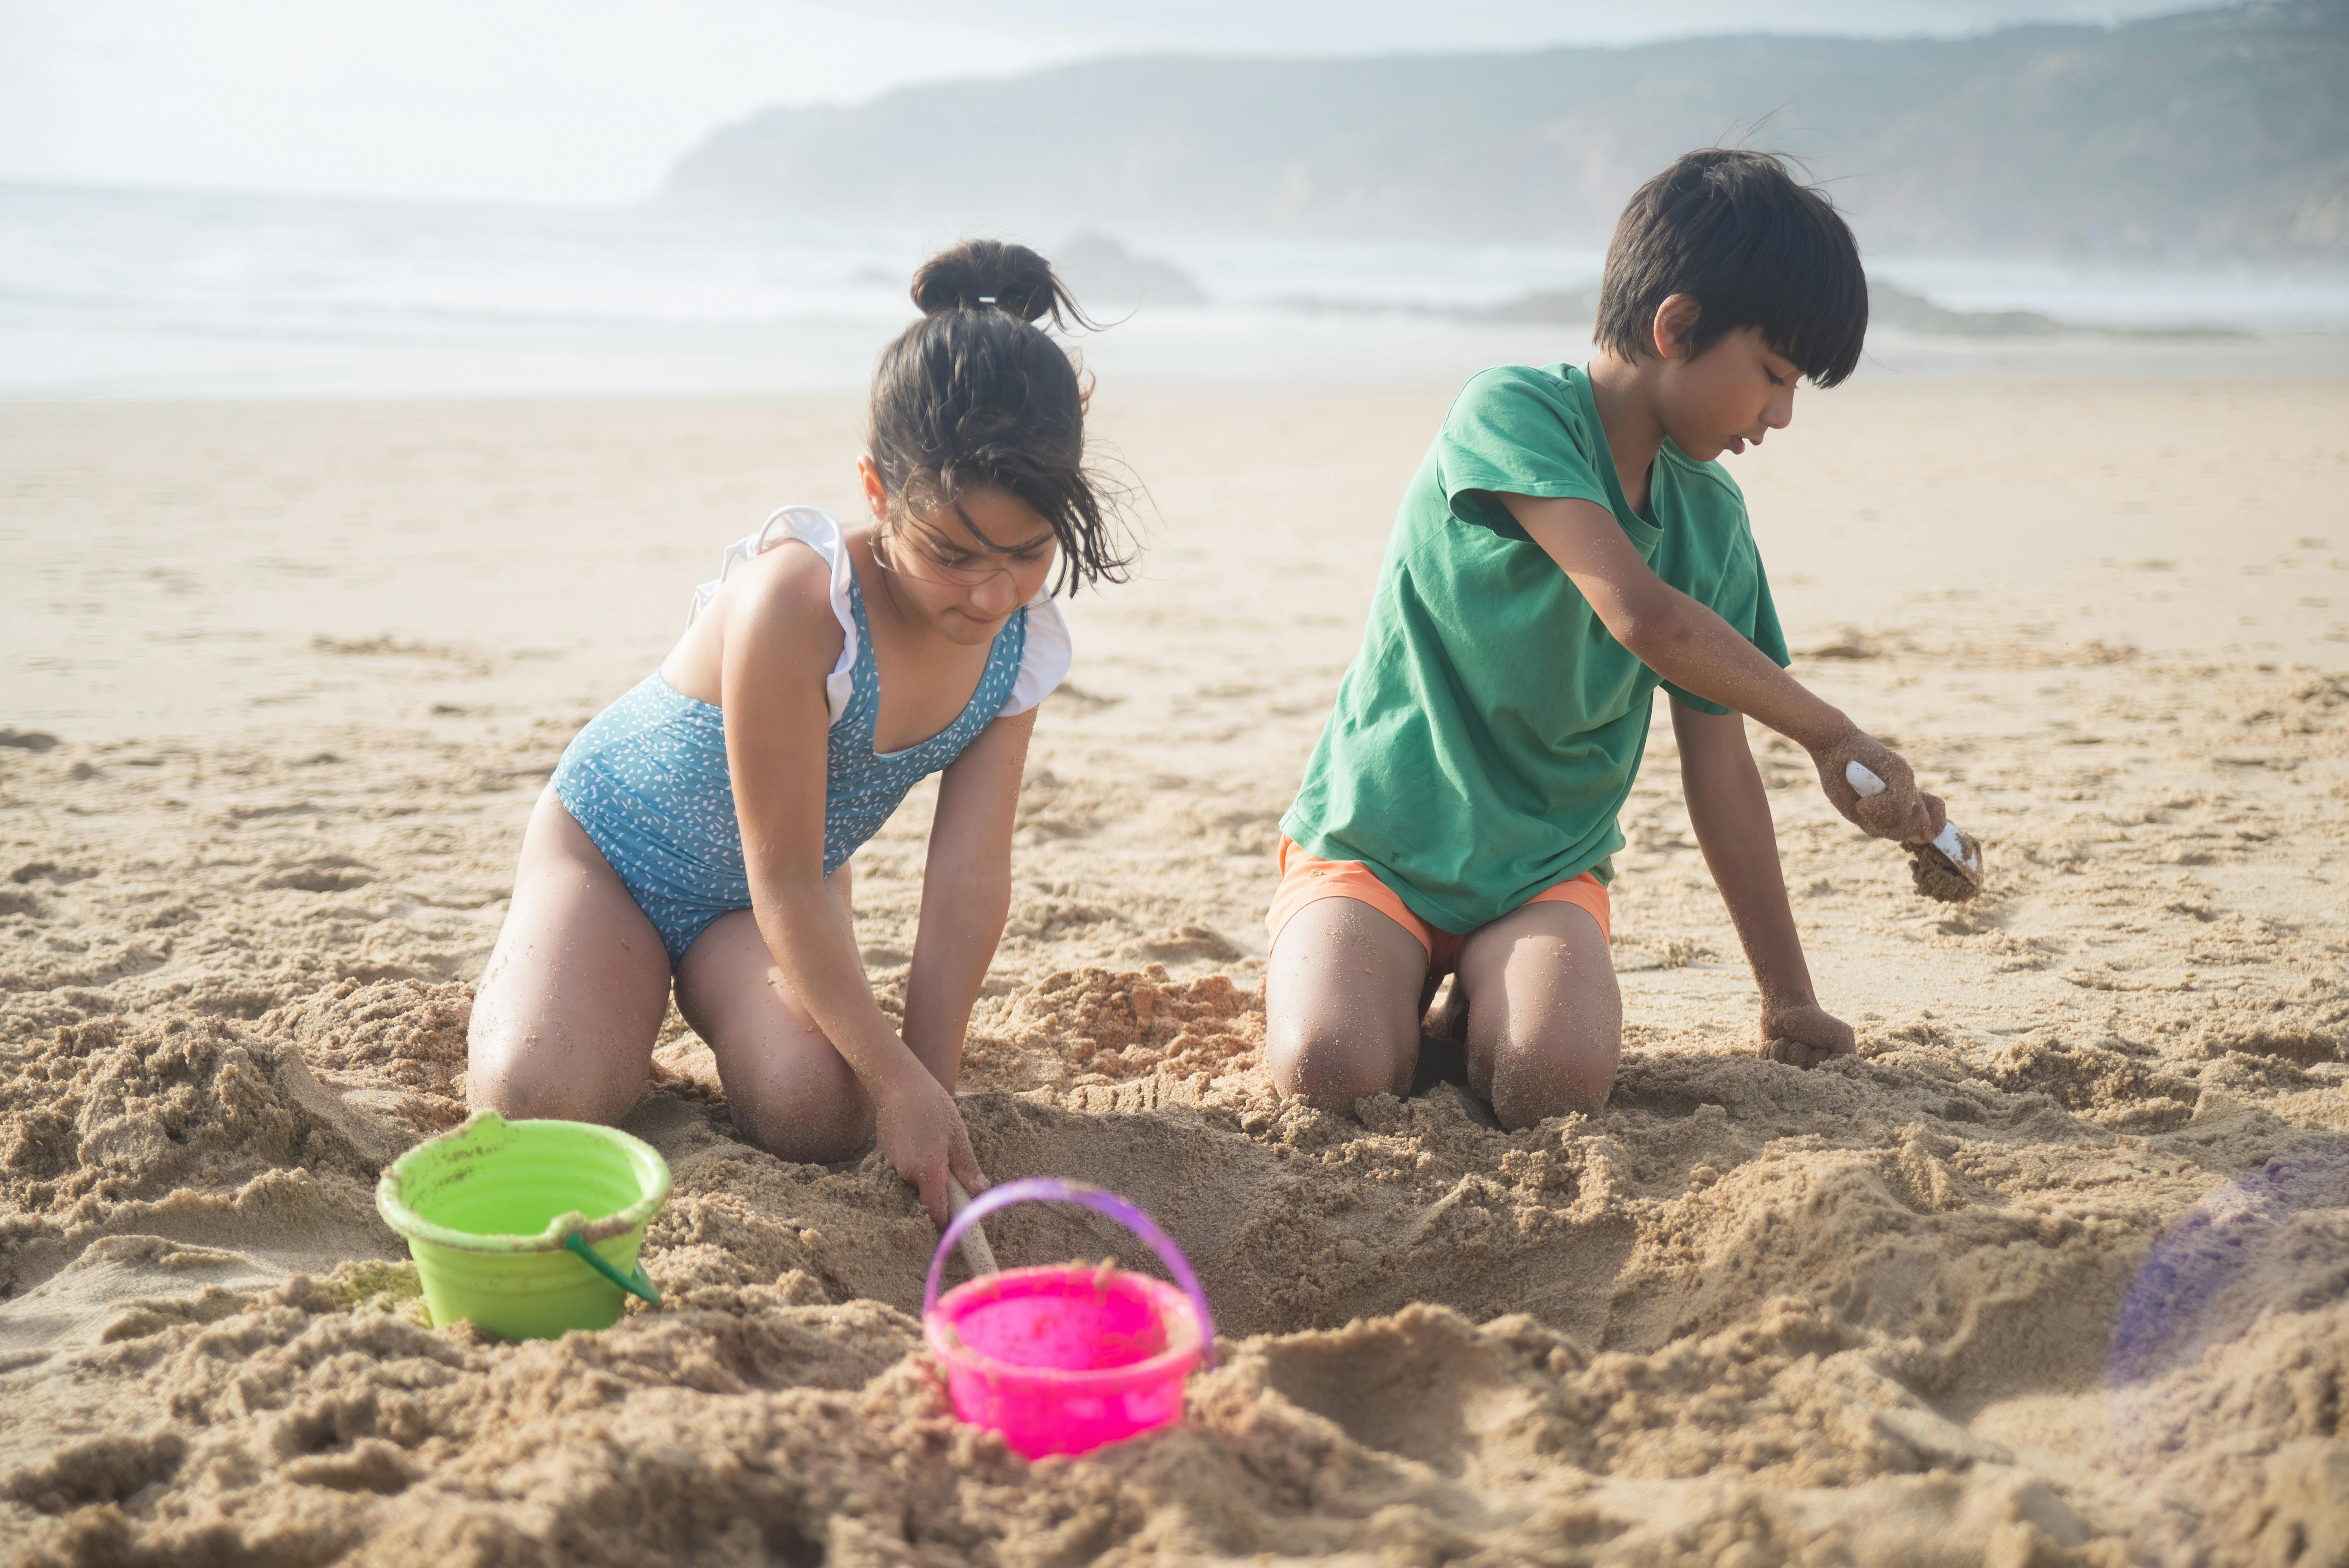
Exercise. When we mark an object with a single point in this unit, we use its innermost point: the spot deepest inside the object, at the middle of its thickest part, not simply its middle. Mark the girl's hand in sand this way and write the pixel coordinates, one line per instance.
(1903, 812)
(921, 1136)
(1804, 1034)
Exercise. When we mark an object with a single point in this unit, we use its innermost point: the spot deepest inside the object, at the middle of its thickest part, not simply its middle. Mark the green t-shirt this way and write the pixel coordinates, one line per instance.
(1489, 730)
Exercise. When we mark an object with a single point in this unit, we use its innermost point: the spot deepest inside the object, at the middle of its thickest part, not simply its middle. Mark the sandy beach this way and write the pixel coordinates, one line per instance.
(2051, 1271)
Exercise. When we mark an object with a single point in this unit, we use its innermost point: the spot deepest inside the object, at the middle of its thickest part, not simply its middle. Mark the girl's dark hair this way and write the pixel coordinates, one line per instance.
(975, 396)
(1753, 246)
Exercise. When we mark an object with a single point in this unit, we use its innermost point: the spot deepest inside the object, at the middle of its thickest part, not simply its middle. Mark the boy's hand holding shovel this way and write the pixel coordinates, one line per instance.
(1874, 788)
(1899, 811)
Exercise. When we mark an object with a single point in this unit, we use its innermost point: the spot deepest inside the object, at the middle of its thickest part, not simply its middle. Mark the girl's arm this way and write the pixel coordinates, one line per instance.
(1691, 646)
(965, 892)
(1730, 813)
(781, 639)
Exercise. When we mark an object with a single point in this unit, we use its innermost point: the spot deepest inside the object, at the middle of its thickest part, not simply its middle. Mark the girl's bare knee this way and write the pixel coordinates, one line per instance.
(817, 1123)
(525, 1076)
(805, 1141)
(520, 1089)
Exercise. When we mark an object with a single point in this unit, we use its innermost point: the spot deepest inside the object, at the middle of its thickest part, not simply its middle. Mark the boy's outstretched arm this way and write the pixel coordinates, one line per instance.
(1730, 813)
(1696, 650)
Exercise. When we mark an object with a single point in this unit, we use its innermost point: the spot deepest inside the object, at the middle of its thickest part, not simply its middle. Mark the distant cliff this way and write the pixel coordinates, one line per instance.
(2211, 133)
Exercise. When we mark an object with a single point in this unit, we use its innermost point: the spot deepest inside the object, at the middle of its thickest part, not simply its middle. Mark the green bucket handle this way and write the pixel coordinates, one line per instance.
(636, 1282)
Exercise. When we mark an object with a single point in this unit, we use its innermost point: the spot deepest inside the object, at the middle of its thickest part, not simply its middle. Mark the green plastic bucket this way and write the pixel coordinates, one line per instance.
(528, 1229)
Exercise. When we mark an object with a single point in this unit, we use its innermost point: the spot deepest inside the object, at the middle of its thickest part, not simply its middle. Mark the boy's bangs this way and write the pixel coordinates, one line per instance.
(1795, 274)
(1815, 313)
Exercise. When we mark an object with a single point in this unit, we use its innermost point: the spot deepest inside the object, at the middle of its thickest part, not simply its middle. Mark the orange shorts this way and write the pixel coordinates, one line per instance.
(1306, 880)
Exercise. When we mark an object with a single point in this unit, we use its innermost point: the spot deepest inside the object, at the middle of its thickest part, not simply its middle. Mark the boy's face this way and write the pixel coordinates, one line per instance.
(1728, 397)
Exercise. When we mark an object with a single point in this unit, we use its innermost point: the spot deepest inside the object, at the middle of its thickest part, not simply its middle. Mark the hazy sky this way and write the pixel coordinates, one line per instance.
(589, 100)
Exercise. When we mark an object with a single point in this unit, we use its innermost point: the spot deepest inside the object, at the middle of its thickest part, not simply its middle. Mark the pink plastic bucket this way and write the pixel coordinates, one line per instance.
(1064, 1359)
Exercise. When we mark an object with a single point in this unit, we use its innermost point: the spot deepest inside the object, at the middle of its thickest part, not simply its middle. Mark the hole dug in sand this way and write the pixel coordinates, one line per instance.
(1426, 1387)
(1743, 1315)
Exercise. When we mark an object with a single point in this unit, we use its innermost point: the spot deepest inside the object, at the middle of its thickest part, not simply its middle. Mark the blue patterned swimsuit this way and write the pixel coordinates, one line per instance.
(648, 780)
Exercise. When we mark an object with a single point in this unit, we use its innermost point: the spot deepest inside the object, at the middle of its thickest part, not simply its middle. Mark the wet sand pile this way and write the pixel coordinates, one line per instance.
(1743, 1314)
(2051, 1271)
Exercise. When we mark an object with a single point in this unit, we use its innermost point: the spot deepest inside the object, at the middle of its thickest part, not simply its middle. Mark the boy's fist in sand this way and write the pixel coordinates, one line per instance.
(921, 1135)
(1803, 1033)
(1903, 813)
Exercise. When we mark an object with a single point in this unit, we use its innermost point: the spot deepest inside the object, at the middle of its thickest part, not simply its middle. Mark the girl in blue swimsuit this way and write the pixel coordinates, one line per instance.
(698, 831)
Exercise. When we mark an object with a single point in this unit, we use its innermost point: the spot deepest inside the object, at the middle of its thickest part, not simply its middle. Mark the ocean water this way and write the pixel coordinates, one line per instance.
(124, 293)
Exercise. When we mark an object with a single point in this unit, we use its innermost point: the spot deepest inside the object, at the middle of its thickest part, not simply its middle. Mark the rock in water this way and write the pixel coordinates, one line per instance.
(1103, 274)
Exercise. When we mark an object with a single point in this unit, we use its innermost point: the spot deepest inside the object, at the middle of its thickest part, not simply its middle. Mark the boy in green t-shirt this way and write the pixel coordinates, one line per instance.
(1569, 545)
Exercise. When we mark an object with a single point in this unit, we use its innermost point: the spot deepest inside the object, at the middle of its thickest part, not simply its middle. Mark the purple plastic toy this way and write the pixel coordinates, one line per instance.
(1063, 1358)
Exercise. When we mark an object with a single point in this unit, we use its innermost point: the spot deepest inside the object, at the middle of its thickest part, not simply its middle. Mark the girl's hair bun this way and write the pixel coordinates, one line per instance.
(973, 395)
(989, 275)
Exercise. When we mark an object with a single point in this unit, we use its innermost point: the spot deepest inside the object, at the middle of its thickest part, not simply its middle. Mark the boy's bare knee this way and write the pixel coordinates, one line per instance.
(1534, 1080)
(1329, 1070)
(1522, 1101)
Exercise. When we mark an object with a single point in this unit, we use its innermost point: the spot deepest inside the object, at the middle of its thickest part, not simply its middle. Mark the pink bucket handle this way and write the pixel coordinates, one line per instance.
(1101, 1201)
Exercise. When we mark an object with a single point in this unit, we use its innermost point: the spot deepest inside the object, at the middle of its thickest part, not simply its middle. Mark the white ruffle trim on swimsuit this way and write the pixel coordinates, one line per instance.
(1043, 663)
(1044, 660)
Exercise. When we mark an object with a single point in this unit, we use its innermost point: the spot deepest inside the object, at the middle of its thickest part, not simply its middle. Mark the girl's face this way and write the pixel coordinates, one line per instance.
(964, 577)
(1726, 398)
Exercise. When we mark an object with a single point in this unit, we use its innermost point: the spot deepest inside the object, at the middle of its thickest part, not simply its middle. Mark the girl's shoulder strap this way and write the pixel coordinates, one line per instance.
(820, 532)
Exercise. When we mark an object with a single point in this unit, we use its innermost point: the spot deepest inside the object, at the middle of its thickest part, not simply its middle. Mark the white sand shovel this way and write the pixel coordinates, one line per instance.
(1949, 868)
(976, 1253)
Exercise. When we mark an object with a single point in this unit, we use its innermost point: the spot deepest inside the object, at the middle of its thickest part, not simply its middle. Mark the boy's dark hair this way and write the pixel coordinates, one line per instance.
(974, 396)
(1753, 246)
